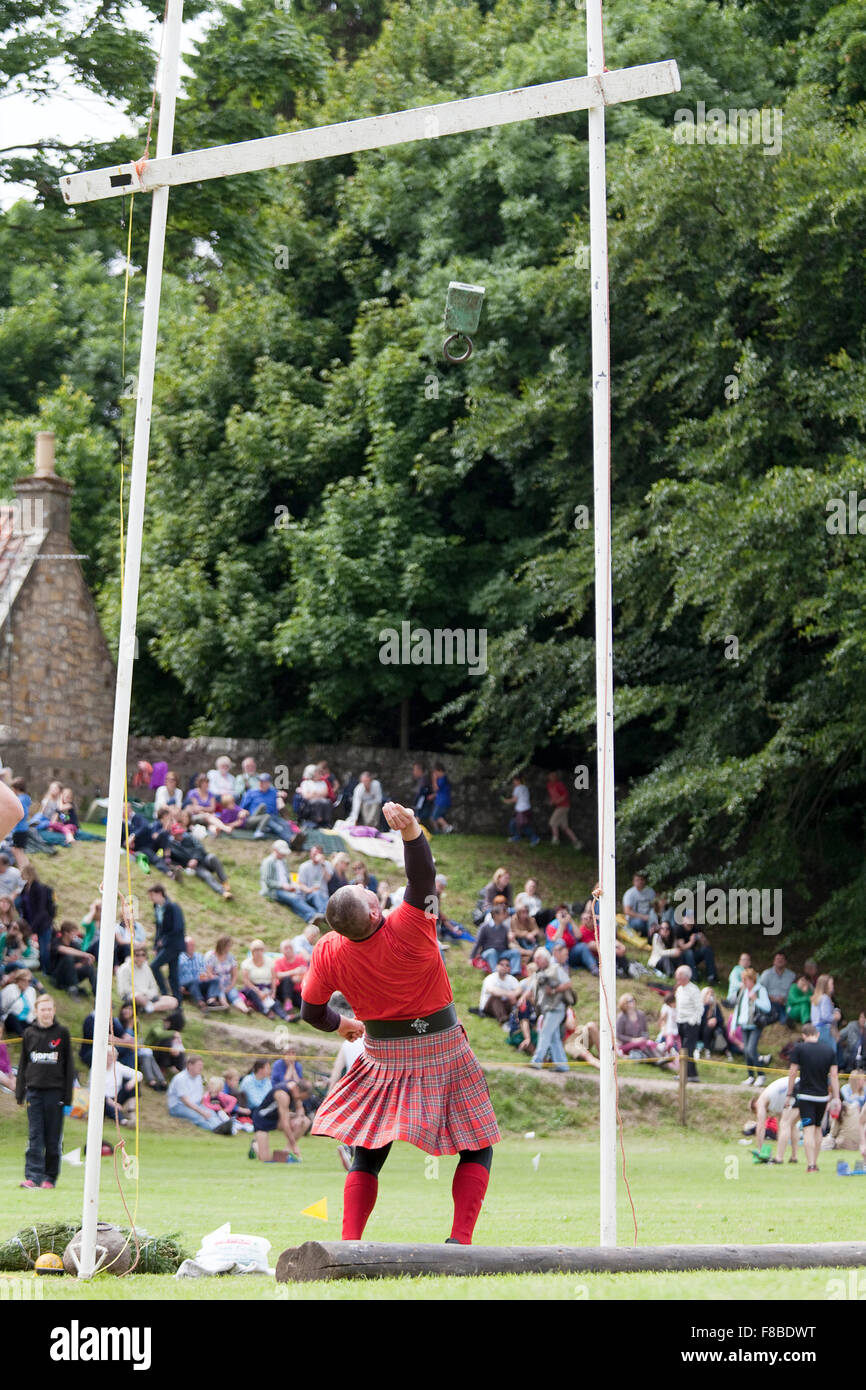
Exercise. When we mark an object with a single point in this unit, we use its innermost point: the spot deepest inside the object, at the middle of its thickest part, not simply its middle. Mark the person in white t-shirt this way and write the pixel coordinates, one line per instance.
(366, 801)
(521, 820)
(220, 780)
(637, 904)
(184, 1099)
(500, 991)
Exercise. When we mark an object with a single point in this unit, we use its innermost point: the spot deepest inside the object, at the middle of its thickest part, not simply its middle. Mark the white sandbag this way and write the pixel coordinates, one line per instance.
(238, 1249)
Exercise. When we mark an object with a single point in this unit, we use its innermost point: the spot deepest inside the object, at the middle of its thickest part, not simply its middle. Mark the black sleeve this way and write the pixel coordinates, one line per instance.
(21, 1078)
(420, 872)
(320, 1016)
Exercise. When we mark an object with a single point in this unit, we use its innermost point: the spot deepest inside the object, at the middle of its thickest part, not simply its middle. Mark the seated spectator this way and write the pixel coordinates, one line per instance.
(361, 874)
(135, 976)
(121, 1036)
(314, 798)
(854, 1090)
(232, 1083)
(441, 800)
(825, 1015)
(777, 981)
(422, 794)
(9, 918)
(220, 779)
(735, 979)
(314, 875)
(11, 880)
(331, 782)
(186, 852)
(64, 821)
(533, 901)
(186, 1099)
(203, 804)
(230, 815)
(289, 969)
(127, 931)
(7, 1080)
(169, 796)
(495, 940)
(666, 949)
(276, 885)
(563, 929)
(70, 967)
(498, 887)
(197, 981)
(257, 982)
(144, 840)
(339, 878)
(167, 1045)
(696, 949)
(223, 1104)
(247, 779)
(637, 904)
(17, 1002)
(18, 951)
(851, 1046)
(120, 1083)
(500, 994)
(632, 1029)
(811, 970)
(712, 1036)
(50, 801)
(304, 944)
(366, 801)
(526, 931)
(798, 1005)
(664, 909)
(224, 968)
(263, 812)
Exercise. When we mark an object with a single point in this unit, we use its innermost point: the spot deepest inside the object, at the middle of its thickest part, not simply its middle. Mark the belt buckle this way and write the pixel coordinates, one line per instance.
(420, 1025)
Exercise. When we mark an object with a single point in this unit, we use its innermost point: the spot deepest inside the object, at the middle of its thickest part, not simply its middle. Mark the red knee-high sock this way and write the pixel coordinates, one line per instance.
(359, 1199)
(467, 1189)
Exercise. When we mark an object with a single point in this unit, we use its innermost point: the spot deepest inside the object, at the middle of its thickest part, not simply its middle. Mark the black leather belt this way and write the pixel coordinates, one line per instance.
(420, 1027)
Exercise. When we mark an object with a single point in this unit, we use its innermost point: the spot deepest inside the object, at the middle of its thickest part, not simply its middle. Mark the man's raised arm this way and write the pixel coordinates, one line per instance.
(420, 869)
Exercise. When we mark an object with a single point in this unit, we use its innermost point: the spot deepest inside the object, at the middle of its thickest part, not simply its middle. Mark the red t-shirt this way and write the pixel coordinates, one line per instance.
(396, 973)
(284, 964)
(558, 793)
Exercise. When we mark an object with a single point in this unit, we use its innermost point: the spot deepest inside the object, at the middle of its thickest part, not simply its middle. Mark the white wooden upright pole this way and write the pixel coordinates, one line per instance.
(603, 626)
(126, 646)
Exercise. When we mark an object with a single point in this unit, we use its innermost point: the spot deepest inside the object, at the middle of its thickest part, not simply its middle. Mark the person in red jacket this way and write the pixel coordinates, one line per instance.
(418, 1080)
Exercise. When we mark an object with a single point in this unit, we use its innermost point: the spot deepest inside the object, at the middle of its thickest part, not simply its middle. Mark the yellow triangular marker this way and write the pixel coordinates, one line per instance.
(318, 1209)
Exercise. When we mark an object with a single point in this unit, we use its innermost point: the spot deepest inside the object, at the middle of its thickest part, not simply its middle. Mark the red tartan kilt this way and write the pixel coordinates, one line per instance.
(430, 1092)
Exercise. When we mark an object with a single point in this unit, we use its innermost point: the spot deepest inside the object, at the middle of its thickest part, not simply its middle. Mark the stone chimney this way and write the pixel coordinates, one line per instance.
(43, 498)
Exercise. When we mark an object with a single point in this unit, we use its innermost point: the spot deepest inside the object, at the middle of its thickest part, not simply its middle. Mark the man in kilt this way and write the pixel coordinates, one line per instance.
(418, 1079)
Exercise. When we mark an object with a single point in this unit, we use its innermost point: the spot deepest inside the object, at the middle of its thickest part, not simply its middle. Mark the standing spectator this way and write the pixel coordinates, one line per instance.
(819, 1076)
(557, 796)
(19, 833)
(552, 990)
(195, 978)
(824, 1013)
(36, 905)
(367, 801)
(185, 1099)
(135, 977)
(45, 1079)
(170, 937)
(735, 978)
(851, 1047)
(441, 800)
(751, 1013)
(314, 875)
(521, 820)
(275, 884)
(777, 981)
(798, 1005)
(500, 993)
(690, 1012)
(71, 967)
(637, 904)
(169, 796)
(668, 1034)
(495, 941)
(224, 969)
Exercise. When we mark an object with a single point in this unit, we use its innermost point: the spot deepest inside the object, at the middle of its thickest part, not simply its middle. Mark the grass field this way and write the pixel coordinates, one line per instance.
(689, 1186)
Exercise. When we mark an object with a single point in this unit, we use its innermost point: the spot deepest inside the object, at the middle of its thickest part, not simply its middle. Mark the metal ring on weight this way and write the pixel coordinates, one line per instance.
(449, 356)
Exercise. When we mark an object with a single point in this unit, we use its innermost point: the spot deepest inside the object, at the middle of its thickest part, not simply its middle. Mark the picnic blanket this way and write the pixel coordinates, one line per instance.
(377, 847)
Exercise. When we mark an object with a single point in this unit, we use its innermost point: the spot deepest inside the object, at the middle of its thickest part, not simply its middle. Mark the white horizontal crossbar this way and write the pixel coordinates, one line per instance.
(376, 132)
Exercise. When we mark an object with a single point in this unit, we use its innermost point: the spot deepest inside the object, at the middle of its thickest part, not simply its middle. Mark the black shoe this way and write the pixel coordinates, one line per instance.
(224, 1128)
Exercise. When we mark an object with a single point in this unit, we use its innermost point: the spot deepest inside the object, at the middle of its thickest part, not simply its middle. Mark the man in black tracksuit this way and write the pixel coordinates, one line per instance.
(45, 1078)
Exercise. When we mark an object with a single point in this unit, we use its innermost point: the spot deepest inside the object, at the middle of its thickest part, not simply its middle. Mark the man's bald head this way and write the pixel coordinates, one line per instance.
(354, 911)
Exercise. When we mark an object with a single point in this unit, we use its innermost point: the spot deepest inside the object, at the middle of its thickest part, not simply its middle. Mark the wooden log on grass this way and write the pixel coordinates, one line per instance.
(361, 1259)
